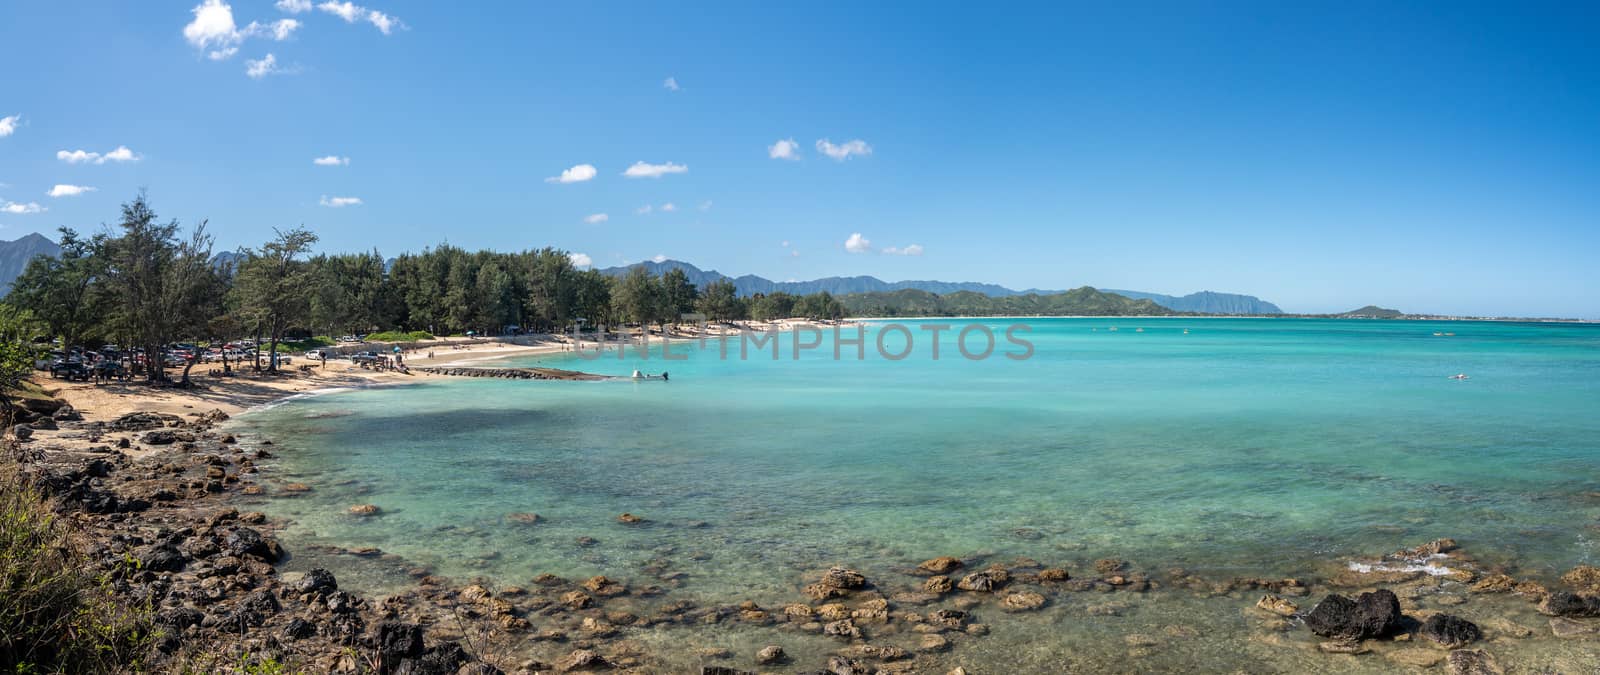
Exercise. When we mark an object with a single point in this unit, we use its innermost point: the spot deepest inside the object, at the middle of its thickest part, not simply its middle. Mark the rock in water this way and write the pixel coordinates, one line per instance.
(843, 577)
(770, 655)
(1277, 605)
(1567, 628)
(1473, 662)
(1562, 603)
(1585, 578)
(940, 565)
(1371, 615)
(1451, 631)
(316, 581)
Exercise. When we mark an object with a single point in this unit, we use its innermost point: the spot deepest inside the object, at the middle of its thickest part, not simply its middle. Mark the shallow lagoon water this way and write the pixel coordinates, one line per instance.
(1245, 446)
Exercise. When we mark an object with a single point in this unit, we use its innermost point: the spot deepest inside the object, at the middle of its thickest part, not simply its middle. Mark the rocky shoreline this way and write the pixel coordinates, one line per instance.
(511, 373)
(154, 496)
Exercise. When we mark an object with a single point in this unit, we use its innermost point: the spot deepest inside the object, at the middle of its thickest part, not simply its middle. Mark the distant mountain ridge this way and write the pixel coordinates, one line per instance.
(14, 257)
(15, 254)
(1206, 302)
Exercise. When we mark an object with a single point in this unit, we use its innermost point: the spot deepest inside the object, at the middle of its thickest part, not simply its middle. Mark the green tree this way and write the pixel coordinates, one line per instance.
(274, 284)
(155, 282)
(639, 297)
(719, 301)
(677, 295)
(60, 290)
(18, 331)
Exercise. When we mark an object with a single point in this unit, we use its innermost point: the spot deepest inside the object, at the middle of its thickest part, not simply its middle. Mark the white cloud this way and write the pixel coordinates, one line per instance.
(669, 207)
(20, 209)
(352, 13)
(8, 125)
(339, 202)
(911, 249)
(670, 84)
(294, 6)
(213, 29)
(212, 25)
(642, 170)
(644, 210)
(580, 260)
(267, 65)
(596, 218)
(69, 190)
(795, 253)
(577, 174)
(121, 154)
(784, 149)
(705, 205)
(283, 28)
(845, 150)
(331, 160)
(785, 243)
(659, 258)
(857, 243)
(348, 11)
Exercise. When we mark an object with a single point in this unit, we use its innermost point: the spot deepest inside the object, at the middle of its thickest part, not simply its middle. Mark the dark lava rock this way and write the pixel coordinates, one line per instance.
(398, 640)
(1562, 603)
(316, 581)
(23, 432)
(1371, 615)
(299, 629)
(1451, 631)
(445, 658)
(45, 423)
(340, 602)
(161, 558)
(261, 601)
(179, 618)
(160, 437)
(723, 670)
(245, 541)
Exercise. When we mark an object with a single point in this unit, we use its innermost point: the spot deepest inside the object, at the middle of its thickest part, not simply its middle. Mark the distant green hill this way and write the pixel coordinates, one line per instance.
(1372, 312)
(1084, 301)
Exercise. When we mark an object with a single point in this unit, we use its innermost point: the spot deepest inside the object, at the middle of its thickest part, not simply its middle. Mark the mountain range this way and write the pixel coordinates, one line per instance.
(15, 254)
(14, 257)
(1206, 302)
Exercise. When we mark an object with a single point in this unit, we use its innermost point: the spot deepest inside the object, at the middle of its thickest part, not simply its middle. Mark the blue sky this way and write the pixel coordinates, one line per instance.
(1323, 156)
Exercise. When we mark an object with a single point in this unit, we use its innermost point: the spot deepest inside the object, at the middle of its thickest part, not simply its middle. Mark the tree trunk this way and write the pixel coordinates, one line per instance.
(184, 381)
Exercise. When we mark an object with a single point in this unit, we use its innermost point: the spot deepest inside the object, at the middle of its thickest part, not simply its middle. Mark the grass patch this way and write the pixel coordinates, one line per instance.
(399, 336)
(308, 343)
(56, 616)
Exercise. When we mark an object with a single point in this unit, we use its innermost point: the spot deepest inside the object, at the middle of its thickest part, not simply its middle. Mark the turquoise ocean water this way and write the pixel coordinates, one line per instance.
(1239, 448)
(1251, 446)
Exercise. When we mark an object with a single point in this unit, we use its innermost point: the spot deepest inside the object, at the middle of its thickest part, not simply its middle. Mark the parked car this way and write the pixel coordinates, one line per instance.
(69, 370)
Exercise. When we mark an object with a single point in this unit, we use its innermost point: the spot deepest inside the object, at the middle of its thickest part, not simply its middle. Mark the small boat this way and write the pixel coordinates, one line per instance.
(1113, 329)
(1437, 333)
(1138, 330)
(1185, 331)
(1459, 376)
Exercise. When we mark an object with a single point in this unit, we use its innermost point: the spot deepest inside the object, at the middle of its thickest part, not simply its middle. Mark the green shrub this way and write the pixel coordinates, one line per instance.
(56, 616)
(303, 345)
(399, 336)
